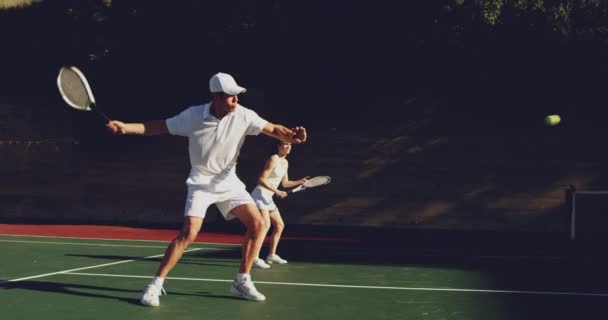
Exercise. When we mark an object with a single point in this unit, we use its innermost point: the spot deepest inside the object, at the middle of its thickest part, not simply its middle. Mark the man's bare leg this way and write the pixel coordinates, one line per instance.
(192, 226)
(152, 292)
(250, 216)
(266, 217)
(279, 226)
(242, 286)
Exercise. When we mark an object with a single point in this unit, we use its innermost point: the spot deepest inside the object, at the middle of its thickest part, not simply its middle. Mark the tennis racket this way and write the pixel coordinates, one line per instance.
(312, 183)
(75, 90)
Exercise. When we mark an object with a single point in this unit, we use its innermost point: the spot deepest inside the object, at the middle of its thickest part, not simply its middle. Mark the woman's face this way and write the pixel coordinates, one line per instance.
(284, 148)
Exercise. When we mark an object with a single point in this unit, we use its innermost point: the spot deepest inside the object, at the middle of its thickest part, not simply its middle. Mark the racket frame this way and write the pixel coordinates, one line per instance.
(87, 87)
(303, 186)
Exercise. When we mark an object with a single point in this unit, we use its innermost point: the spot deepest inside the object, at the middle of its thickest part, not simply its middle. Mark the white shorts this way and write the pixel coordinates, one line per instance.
(263, 202)
(199, 200)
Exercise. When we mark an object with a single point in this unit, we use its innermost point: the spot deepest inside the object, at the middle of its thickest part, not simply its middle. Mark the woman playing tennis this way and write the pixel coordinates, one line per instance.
(275, 172)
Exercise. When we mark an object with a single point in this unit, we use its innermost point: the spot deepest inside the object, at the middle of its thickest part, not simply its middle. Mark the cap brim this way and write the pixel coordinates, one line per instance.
(235, 91)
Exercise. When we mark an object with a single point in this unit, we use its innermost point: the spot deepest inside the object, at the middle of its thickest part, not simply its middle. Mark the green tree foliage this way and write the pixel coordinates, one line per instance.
(567, 18)
(490, 11)
(11, 4)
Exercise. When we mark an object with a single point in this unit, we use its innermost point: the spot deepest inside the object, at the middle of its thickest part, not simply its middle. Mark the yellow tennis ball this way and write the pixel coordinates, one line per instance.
(553, 119)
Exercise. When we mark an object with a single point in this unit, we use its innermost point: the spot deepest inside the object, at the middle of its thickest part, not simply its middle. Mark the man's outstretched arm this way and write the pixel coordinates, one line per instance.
(296, 135)
(150, 128)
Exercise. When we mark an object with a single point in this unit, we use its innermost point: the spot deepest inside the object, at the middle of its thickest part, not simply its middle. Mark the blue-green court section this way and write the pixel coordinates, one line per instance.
(69, 278)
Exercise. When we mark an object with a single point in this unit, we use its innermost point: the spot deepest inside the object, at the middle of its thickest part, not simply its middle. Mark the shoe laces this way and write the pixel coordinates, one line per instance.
(156, 290)
(248, 284)
(275, 257)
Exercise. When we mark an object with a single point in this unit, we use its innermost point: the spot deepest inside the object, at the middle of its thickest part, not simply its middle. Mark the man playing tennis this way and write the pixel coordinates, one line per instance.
(216, 132)
(274, 173)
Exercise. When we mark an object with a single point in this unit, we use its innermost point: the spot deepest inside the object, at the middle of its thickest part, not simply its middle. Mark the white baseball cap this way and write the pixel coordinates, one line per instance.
(223, 82)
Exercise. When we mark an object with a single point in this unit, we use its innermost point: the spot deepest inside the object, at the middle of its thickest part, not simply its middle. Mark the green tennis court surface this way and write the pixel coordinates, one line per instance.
(70, 278)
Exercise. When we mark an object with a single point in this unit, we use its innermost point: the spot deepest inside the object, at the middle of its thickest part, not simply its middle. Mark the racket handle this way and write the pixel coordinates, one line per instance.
(299, 188)
(99, 112)
(104, 116)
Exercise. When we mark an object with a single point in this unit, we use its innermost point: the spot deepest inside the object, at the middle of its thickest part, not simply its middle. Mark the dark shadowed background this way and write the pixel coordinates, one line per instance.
(427, 114)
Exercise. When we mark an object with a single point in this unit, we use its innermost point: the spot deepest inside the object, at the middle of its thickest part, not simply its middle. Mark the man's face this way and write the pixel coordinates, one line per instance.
(228, 102)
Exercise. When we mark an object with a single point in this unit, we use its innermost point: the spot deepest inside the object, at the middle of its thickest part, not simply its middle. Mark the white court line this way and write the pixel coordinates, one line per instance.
(361, 287)
(108, 239)
(85, 268)
(96, 244)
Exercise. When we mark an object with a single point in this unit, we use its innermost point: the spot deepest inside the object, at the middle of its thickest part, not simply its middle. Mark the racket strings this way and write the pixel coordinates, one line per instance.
(74, 90)
(317, 181)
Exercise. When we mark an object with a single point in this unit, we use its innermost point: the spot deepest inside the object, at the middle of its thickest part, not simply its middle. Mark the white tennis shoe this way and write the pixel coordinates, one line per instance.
(246, 290)
(260, 264)
(274, 258)
(151, 295)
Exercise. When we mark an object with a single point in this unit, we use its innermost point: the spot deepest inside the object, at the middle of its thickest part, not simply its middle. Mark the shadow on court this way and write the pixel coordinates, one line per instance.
(73, 289)
(79, 290)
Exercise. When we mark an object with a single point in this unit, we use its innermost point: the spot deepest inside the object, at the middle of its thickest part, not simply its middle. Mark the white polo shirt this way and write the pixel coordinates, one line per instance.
(214, 144)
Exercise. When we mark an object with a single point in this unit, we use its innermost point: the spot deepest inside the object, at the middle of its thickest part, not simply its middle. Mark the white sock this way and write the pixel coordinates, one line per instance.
(240, 277)
(158, 281)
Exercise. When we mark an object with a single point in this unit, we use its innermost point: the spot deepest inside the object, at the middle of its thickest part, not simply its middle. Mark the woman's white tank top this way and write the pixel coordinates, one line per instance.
(275, 177)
